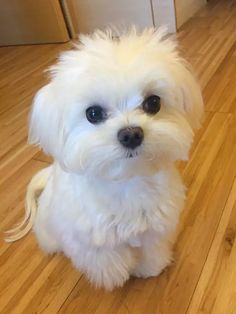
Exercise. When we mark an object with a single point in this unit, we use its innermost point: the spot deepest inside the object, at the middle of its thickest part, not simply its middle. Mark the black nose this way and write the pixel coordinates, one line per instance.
(131, 137)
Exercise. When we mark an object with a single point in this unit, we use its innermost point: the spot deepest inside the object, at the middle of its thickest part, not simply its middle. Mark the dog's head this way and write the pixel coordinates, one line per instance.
(118, 107)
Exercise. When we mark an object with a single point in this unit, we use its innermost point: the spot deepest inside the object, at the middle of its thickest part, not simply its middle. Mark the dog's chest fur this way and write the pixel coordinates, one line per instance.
(110, 212)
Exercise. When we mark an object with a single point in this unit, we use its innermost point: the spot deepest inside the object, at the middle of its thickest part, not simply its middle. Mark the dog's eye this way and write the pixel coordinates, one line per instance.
(152, 104)
(96, 114)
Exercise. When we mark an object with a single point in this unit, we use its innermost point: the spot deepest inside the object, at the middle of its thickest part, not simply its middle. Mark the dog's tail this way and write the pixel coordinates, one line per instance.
(35, 187)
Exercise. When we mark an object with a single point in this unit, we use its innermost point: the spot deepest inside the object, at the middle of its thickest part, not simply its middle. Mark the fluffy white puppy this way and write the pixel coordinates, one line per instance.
(115, 116)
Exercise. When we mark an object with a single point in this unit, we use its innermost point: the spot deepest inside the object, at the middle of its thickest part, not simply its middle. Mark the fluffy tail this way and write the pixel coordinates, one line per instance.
(36, 186)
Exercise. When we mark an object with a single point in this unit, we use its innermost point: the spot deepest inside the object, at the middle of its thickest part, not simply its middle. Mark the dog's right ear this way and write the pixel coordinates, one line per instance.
(44, 129)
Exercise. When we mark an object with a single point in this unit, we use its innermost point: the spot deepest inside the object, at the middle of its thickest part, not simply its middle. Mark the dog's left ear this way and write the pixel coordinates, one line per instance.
(191, 95)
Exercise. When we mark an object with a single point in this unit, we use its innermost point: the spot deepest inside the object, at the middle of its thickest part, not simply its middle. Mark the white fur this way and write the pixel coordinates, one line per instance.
(114, 216)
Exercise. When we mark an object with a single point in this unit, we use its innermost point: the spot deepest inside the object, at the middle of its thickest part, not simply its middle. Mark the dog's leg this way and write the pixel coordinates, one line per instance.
(46, 240)
(106, 267)
(45, 236)
(156, 255)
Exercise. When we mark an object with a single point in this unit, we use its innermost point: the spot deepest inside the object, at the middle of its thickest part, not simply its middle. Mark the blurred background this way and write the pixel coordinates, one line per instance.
(53, 21)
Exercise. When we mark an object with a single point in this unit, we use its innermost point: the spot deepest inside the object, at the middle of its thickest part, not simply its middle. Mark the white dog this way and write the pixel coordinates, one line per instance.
(115, 116)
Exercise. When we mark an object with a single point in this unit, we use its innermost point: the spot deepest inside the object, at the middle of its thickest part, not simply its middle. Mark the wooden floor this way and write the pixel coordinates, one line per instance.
(203, 279)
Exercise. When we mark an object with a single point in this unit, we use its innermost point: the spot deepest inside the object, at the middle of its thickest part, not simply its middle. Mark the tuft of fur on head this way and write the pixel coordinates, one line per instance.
(117, 74)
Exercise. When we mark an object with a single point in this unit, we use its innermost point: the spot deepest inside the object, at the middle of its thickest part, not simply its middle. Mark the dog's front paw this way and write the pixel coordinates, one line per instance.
(46, 241)
(109, 276)
(106, 268)
(142, 271)
(153, 266)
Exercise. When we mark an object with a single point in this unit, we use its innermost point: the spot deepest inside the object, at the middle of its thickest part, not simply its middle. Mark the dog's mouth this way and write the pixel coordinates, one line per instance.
(130, 155)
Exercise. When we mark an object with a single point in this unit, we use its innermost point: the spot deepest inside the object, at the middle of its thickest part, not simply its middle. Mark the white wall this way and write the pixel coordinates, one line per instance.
(86, 15)
(164, 14)
(185, 9)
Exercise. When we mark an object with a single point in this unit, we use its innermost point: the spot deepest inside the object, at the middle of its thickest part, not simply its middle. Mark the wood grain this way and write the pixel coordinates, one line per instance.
(213, 280)
(203, 277)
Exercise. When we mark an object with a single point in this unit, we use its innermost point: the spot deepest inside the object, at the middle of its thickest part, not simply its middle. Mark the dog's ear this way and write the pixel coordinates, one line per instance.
(45, 128)
(191, 96)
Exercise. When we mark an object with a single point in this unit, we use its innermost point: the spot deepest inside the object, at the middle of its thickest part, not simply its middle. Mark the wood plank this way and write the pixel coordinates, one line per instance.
(214, 277)
(39, 276)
